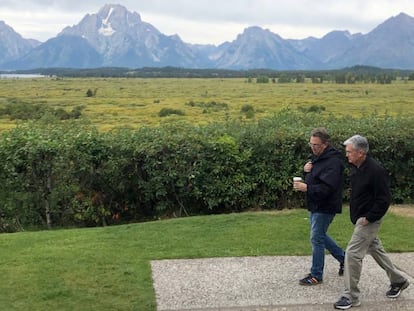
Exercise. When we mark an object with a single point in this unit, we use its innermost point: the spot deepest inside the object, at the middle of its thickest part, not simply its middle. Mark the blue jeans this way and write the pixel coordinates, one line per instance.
(319, 223)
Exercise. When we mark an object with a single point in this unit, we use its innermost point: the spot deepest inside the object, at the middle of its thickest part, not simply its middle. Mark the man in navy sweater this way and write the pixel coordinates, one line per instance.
(369, 201)
(323, 187)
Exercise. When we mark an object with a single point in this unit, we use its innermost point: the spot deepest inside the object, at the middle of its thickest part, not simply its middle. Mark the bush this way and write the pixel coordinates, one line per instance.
(17, 110)
(90, 93)
(164, 112)
(248, 110)
(262, 79)
(55, 174)
(313, 108)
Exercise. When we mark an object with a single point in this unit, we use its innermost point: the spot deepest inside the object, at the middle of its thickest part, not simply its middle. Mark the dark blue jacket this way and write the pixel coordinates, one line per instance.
(325, 182)
(370, 191)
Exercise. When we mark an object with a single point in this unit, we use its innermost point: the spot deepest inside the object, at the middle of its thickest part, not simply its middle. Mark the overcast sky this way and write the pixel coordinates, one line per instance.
(210, 21)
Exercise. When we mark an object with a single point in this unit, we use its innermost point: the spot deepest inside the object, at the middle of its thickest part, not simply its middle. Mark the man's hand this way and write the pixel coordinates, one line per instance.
(364, 221)
(307, 167)
(300, 186)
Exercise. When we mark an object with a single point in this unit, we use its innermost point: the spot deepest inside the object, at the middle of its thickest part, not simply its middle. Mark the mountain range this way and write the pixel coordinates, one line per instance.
(116, 37)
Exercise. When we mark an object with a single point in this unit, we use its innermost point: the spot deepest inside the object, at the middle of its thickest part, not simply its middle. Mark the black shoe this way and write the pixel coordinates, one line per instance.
(310, 280)
(396, 289)
(345, 303)
(341, 269)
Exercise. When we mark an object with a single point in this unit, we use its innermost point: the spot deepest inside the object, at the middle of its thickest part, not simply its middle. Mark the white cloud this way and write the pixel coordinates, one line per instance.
(41, 25)
(190, 31)
(211, 21)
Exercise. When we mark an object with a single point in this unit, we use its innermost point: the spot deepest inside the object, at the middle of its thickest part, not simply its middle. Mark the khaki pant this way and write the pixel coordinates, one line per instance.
(364, 240)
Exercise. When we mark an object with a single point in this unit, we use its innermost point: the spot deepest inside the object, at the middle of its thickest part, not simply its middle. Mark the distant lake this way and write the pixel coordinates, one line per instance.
(20, 76)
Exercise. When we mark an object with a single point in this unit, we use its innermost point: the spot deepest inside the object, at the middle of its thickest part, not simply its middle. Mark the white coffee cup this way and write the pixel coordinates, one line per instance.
(297, 179)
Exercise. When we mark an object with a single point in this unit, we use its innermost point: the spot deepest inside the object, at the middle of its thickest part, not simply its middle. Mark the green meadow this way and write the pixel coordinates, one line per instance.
(137, 102)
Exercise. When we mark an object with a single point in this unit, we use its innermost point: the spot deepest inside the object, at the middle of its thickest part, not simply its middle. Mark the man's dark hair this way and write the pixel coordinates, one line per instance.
(322, 133)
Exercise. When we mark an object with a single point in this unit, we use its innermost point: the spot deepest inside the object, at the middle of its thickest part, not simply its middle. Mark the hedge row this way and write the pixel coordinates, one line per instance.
(63, 174)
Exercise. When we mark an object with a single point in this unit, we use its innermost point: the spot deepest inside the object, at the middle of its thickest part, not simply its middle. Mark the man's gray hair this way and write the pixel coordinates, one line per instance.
(358, 142)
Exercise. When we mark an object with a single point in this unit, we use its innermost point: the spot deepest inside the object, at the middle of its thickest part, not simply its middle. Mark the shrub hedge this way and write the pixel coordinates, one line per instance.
(63, 174)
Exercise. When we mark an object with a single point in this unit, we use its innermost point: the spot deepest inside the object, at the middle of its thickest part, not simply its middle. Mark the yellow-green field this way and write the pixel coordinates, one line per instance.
(136, 102)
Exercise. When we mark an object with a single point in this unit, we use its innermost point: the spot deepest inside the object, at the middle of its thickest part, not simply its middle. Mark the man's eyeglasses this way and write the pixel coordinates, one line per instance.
(314, 145)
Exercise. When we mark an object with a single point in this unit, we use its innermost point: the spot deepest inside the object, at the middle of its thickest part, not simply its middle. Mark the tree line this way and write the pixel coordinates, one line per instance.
(354, 74)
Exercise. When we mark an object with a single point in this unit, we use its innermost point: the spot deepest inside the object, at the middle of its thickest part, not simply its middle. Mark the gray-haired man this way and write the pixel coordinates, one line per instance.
(369, 201)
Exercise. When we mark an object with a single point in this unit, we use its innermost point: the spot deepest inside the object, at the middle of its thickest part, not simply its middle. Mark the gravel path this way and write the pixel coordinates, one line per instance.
(269, 283)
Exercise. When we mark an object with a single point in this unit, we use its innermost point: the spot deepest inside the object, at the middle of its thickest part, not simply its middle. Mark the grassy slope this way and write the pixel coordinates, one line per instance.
(108, 268)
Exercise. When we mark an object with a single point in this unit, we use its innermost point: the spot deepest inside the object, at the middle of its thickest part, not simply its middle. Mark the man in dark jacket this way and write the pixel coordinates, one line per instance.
(369, 201)
(323, 186)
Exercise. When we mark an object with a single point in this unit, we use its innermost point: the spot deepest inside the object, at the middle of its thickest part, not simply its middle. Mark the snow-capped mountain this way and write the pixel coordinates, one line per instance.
(123, 39)
(117, 37)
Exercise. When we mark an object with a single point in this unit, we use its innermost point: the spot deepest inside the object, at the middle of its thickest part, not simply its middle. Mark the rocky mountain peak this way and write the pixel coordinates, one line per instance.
(12, 44)
(401, 24)
(111, 19)
(115, 17)
(115, 36)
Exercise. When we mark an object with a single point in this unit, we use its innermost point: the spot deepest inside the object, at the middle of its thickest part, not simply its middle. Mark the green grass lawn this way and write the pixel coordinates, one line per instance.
(109, 268)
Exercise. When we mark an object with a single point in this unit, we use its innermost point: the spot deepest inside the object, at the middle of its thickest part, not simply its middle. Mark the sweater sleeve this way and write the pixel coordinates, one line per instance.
(382, 195)
(330, 178)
